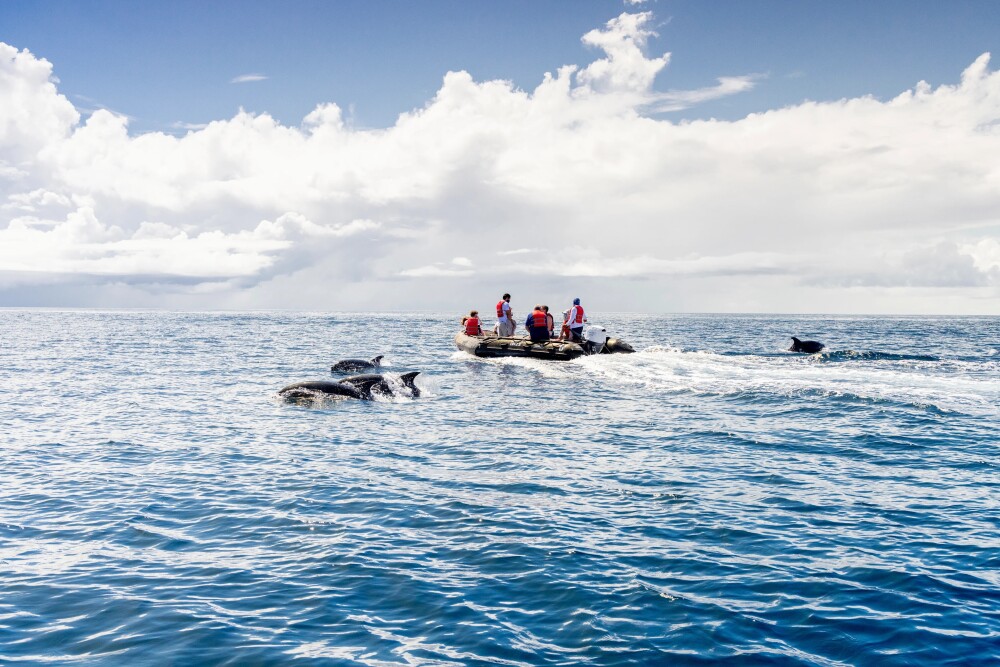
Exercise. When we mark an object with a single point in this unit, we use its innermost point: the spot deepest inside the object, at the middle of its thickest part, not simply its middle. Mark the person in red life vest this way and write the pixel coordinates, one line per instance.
(537, 324)
(550, 322)
(473, 327)
(505, 317)
(575, 321)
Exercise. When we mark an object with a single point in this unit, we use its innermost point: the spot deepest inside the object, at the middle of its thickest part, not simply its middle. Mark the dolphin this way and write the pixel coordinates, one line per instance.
(807, 346)
(310, 390)
(613, 345)
(346, 365)
(361, 387)
(374, 383)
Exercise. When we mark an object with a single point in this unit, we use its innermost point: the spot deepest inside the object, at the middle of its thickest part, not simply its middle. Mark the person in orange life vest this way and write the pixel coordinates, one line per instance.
(537, 325)
(564, 331)
(473, 327)
(575, 321)
(505, 317)
(550, 322)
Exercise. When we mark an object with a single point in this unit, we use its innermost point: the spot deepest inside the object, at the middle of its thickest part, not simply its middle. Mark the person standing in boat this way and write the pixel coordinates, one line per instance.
(473, 327)
(575, 321)
(505, 318)
(537, 325)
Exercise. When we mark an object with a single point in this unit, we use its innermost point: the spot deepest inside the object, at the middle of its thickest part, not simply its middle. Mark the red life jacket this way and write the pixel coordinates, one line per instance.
(500, 308)
(472, 326)
(538, 320)
(578, 319)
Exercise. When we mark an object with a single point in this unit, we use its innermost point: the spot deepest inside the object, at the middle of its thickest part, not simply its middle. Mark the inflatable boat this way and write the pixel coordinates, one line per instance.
(595, 341)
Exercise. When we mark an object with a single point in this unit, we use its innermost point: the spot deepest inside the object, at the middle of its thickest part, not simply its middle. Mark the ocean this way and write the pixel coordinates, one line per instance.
(710, 499)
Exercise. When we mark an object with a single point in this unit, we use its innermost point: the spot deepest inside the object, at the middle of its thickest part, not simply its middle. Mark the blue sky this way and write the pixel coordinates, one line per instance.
(661, 156)
(172, 62)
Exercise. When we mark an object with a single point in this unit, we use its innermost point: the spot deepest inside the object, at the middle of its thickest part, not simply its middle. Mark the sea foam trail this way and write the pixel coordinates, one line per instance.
(910, 381)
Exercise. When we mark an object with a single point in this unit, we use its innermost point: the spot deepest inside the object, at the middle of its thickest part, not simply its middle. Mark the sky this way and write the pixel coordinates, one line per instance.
(372, 155)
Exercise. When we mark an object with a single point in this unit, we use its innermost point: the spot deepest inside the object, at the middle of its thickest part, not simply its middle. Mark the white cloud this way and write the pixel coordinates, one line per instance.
(179, 125)
(677, 100)
(435, 271)
(33, 114)
(985, 254)
(248, 78)
(570, 183)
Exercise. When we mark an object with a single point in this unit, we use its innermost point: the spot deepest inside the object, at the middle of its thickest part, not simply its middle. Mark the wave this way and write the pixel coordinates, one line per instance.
(854, 355)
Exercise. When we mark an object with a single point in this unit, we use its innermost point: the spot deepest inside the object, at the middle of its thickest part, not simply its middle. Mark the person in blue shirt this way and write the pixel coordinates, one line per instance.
(537, 325)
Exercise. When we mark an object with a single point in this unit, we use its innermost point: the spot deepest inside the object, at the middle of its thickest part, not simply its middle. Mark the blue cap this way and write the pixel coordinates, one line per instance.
(576, 301)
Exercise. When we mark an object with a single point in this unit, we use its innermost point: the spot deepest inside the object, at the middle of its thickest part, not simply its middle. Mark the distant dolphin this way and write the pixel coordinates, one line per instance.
(362, 387)
(347, 365)
(807, 346)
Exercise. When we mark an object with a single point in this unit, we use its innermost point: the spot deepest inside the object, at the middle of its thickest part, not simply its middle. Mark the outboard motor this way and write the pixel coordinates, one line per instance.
(594, 338)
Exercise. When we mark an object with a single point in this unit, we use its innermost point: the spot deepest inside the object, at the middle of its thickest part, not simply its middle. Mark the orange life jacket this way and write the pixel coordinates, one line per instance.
(500, 308)
(472, 326)
(578, 318)
(538, 320)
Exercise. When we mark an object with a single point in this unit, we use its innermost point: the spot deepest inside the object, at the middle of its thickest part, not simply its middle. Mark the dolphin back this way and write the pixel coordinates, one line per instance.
(314, 389)
(345, 365)
(365, 382)
(807, 346)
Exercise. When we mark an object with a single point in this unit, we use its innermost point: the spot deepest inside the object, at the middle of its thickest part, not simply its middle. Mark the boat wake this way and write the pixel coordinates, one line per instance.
(907, 379)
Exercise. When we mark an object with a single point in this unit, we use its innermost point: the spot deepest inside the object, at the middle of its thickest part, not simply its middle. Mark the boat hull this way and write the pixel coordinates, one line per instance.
(493, 347)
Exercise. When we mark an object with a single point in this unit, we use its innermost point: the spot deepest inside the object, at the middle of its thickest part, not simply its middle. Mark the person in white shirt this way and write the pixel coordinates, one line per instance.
(575, 321)
(505, 317)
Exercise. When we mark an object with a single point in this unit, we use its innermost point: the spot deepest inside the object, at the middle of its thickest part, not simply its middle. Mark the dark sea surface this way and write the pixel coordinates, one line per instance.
(710, 499)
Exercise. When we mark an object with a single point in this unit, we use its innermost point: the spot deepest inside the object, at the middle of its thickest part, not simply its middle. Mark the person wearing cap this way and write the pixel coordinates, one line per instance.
(505, 317)
(575, 321)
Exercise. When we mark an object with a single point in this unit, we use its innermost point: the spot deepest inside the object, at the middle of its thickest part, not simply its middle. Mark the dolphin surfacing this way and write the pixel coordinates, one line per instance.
(374, 383)
(807, 346)
(348, 365)
(362, 387)
(310, 390)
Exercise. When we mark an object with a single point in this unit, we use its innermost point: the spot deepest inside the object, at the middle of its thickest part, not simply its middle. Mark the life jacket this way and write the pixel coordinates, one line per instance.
(576, 320)
(500, 309)
(538, 320)
(472, 326)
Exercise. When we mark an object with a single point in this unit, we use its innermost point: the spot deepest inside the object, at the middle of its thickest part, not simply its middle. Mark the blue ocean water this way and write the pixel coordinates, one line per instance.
(710, 499)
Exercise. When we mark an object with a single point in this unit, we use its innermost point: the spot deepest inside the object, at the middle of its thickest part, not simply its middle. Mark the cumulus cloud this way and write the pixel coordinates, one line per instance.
(577, 180)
